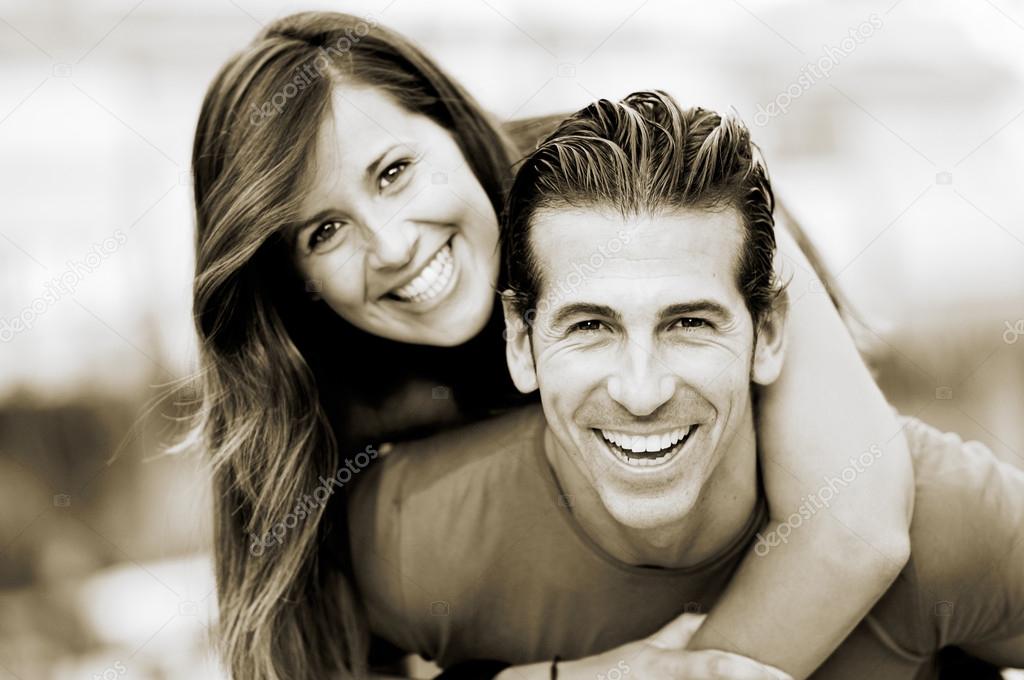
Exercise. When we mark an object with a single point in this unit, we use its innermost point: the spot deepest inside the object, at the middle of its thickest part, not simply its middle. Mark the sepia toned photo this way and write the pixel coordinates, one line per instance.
(522, 340)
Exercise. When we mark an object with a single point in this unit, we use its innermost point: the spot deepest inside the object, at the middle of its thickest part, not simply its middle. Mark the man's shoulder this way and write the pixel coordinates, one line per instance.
(964, 537)
(965, 496)
(960, 486)
(437, 466)
(426, 519)
(468, 450)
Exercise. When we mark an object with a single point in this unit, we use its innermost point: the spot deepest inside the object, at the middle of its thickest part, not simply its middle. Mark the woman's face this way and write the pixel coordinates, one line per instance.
(396, 233)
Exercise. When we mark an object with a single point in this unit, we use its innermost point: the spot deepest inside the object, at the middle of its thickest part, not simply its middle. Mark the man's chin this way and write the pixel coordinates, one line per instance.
(648, 512)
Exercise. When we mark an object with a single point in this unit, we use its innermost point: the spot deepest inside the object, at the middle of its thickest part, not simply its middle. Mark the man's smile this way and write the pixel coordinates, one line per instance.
(646, 450)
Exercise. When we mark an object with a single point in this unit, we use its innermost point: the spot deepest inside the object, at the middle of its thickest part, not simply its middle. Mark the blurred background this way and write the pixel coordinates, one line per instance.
(894, 131)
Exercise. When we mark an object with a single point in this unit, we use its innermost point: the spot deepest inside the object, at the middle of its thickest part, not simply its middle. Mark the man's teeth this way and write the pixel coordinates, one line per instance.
(431, 280)
(654, 443)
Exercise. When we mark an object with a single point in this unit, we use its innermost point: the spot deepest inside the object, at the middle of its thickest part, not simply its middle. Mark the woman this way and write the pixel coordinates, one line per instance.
(347, 195)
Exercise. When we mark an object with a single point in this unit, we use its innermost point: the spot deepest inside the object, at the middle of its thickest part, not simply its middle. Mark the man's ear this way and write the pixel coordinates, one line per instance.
(770, 350)
(518, 348)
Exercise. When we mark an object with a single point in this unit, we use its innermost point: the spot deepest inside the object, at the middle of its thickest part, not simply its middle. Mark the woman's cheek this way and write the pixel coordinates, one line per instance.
(432, 198)
(343, 275)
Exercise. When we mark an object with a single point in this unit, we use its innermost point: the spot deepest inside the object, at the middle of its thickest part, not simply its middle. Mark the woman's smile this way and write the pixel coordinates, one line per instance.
(431, 283)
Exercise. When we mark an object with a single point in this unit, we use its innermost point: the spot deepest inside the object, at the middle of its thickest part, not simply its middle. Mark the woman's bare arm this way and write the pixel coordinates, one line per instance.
(827, 437)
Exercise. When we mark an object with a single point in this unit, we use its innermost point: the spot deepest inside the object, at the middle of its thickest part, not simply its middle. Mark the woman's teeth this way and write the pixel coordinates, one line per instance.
(645, 449)
(431, 280)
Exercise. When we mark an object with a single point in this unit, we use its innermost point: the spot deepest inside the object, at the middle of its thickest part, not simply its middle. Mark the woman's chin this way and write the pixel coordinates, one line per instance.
(448, 325)
(456, 319)
(461, 325)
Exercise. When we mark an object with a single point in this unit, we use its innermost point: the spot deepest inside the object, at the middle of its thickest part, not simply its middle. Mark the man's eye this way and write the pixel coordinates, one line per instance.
(391, 173)
(588, 326)
(323, 233)
(690, 323)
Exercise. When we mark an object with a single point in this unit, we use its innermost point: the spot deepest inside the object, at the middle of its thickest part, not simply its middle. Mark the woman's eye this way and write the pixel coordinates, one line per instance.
(391, 173)
(323, 233)
(588, 326)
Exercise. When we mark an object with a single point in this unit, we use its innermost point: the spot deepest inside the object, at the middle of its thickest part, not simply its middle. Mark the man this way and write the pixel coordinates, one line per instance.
(593, 522)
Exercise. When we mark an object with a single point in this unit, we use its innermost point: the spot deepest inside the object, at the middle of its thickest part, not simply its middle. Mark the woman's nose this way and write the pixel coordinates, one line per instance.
(393, 245)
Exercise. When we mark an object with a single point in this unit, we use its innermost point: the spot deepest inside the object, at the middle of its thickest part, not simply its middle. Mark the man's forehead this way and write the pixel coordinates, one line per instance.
(599, 248)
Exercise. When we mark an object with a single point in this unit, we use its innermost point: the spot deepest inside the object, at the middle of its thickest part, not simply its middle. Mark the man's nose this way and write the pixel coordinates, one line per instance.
(643, 382)
(393, 244)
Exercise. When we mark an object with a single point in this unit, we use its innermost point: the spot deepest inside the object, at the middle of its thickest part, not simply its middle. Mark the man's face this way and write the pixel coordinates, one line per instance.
(642, 349)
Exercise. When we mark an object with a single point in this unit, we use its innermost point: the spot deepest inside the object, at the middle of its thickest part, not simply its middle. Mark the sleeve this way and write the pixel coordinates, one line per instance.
(996, 591)
(968, 536)
(377, 526)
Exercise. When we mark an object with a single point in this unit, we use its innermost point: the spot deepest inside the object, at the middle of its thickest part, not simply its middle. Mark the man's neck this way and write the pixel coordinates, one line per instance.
(717, 518)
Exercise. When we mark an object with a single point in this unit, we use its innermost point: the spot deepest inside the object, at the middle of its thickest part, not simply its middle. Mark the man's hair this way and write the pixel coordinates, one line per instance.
(642, 156)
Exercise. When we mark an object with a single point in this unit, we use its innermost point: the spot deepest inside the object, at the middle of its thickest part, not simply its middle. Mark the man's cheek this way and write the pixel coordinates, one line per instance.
(567, 372)
(708, 365)
(565, 357)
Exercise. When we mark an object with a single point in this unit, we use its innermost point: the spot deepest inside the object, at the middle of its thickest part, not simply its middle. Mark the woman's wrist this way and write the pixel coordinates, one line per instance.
(538, 671)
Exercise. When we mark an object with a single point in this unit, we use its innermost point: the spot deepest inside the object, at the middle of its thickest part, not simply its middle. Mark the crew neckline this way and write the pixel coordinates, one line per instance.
(757, 519)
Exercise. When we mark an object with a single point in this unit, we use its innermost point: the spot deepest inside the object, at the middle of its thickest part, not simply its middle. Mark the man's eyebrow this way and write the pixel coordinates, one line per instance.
(583, 309)
(697, 307)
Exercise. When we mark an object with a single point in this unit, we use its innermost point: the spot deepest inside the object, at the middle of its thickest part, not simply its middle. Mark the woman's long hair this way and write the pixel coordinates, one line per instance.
(286, 387)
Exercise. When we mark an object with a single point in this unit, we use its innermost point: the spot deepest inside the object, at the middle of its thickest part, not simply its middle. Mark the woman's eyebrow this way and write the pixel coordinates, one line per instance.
(293, 230)
(319, 217)
(371, 169)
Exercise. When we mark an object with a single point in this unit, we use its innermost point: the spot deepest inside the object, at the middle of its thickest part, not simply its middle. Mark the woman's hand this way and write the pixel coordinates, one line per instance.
(662, 656)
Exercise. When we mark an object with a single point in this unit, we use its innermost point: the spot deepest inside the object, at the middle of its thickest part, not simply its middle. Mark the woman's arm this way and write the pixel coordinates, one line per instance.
(661, 655)
(839, 481)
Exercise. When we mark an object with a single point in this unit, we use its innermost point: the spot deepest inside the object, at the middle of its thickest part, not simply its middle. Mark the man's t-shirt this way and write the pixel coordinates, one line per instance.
(464, 547)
